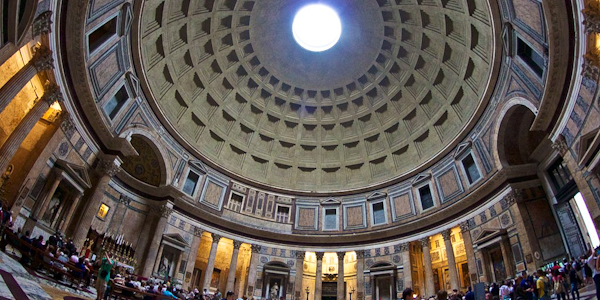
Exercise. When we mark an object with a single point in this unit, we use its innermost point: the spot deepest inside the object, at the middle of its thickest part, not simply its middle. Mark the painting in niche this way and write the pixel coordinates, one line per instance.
(164, 269)
(214, 280)
(103, 211)
(53, 207)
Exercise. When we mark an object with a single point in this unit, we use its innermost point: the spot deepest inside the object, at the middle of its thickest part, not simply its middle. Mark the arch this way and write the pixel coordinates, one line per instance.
(157, 148)
(513, 140)
(276, 264)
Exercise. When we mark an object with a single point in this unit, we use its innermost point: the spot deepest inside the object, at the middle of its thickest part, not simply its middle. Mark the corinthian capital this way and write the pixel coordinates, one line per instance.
(560, 145)
(42, 24)
(424, 242)
(108, 167)
(446, 234)
(42, 59)
(591, 13)
(52, 93)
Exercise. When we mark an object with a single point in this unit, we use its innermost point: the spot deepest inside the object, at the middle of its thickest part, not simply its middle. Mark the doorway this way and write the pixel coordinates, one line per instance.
(383, 288)
(497, 263)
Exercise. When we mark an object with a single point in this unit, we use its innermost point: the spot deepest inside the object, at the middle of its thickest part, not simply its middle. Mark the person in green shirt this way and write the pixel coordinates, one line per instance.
(104, 275)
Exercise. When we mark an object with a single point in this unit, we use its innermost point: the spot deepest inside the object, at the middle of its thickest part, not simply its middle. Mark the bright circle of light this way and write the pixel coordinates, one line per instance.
(317, 27)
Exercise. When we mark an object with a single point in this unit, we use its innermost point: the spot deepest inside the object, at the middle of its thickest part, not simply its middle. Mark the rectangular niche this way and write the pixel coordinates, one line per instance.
(213, 192)
(402, 204)
(307, 216)
(355, 216)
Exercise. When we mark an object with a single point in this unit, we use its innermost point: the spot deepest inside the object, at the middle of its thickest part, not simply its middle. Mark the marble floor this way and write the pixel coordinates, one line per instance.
(16, 282)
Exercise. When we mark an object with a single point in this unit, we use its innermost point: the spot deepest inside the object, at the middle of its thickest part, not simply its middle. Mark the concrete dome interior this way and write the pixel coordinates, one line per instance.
(438, 144)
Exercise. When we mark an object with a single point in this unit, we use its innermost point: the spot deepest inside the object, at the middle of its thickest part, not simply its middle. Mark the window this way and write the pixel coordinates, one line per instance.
(189, 187)
(330, 220)
(235, 202)
(471, 168)
(559, 174)
(283, 214)
(530, 57)
(102, 34)
(426, 197)
(378, 213)
(112, 107)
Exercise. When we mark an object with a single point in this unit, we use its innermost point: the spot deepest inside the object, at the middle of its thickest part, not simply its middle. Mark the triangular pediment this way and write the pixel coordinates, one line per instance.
(376, 195)
(78, 173)
(175, 240)
(330, 201)
(421, 178)
(588, 143)
(198, 166)
(462, 148)
(488, 234)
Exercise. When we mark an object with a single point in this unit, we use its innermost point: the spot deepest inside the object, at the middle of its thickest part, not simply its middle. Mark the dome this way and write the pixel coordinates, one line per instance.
(405, 82)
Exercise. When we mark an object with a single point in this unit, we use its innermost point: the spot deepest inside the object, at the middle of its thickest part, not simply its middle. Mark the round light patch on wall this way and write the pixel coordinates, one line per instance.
(317, 27)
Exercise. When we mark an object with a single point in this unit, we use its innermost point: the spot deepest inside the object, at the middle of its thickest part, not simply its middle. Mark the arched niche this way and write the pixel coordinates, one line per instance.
(515, 142)
(148, 166)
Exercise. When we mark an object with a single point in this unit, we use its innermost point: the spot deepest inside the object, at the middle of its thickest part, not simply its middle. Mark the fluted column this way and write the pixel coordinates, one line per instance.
(360, 274)
(319, 275)
(41, 60)
(162, 212)
(45, 201)
(211, 261)
(341, 291)
(299, 274)
(454, 283)
(468, 242)
(405, 253)
(429, 288)
(156, 263)
(252, 270)
(507, 256)
(69, 215)
(189, 269)
(108, 167)
(233, 265)
(12, 144)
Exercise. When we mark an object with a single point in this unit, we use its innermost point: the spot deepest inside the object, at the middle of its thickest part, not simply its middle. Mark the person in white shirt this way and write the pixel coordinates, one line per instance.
(504, 291)
(593, 262)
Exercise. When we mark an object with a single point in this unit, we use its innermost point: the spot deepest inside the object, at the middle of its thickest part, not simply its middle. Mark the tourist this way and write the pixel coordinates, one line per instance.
(594, 264)
(104, 275)
(542, 286)
(574, 280)
(407, 294)
(442, 295)
(559, 289)
(504, 291)
(74, 258)
(166, 291)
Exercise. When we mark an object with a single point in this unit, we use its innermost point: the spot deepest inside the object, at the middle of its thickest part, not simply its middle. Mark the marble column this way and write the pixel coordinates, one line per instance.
(299, 274)
(233, 265)
(189, 269)
(341, 291)
(162, 213)
(107, 167)
(16, 138)
(429, 287)
(70, 212)
(252, 270)
(470, 252)
(360, 274)
(406, 264)
(45, 201)
(211, 261)
(156, 263)
(319, 275)
(507, 256)
(41, 60)
(454, 282)
(177, 265)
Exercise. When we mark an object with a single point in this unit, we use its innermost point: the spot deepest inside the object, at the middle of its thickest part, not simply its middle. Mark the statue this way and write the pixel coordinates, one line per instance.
(274, 291)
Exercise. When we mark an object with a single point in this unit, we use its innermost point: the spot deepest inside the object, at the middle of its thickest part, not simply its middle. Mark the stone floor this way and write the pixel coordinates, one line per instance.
(16, 282)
